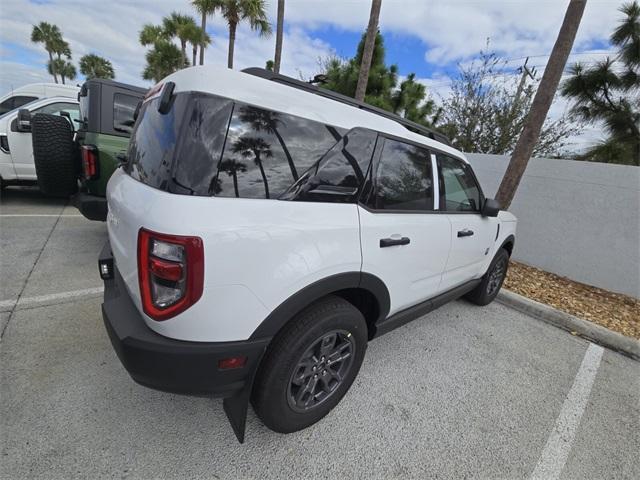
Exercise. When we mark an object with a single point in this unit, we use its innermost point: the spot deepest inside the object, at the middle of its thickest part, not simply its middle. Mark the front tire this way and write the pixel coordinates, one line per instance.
(310, 365)
(492, 281)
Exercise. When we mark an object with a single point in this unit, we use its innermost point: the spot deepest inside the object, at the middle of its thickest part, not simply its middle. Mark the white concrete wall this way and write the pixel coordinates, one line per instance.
(576, 219)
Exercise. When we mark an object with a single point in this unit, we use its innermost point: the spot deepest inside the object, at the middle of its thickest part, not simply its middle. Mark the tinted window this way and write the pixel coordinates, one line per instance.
(193, 130)
(458, 188)
(266, 152)
(15, 102)
(404, 179)
(123, 108)
(340, 173)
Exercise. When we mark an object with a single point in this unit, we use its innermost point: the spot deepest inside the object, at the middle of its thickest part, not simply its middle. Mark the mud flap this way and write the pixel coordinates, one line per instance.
(236, 407)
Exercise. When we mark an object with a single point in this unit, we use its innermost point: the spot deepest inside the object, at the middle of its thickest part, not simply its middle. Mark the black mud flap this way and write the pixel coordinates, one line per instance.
(236, 407)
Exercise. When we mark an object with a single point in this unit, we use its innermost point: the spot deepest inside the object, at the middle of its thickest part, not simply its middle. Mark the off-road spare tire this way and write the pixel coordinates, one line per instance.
(55, 155)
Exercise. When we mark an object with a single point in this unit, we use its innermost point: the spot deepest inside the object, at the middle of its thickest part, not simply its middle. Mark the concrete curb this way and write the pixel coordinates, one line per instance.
(595, 333)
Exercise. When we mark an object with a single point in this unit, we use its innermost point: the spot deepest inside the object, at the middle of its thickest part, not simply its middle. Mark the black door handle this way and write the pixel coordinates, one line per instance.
(465, 233)
(390, 242)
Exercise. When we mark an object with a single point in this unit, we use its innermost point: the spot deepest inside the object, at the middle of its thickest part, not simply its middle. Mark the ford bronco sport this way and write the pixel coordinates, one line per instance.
(67, 160)
(263, 230)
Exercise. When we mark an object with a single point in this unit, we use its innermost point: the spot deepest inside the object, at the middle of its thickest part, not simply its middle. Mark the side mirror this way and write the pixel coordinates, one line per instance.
(23, 123)
(491, 208)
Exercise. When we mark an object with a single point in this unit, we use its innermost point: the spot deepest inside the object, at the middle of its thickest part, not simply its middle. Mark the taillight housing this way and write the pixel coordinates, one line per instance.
(170, 273)
(90, 167)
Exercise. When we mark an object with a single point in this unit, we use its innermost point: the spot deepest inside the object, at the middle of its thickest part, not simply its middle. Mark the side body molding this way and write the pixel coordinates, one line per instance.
(309, 294)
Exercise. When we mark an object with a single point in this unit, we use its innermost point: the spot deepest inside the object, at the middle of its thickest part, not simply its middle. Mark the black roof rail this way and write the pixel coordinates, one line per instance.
(323, 92)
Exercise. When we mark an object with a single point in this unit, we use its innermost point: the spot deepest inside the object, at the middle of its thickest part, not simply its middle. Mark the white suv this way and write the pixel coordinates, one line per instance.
(263, 230)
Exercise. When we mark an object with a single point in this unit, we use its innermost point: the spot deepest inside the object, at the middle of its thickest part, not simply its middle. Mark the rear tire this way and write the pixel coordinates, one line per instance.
(54, 154)
(292, 390)
(492, 281)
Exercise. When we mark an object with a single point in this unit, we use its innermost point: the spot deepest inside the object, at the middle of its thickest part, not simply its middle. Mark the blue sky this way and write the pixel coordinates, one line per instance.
(427, 37)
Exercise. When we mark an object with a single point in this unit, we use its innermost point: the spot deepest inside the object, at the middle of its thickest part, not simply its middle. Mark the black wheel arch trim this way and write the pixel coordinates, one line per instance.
(510, 239)
(284, 312)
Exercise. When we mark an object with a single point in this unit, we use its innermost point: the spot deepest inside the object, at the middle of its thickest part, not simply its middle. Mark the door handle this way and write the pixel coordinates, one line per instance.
(465, 233)
(390, 242)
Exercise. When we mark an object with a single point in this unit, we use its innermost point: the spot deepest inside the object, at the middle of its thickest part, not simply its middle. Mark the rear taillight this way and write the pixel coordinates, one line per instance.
(170, 273)
(90, 168)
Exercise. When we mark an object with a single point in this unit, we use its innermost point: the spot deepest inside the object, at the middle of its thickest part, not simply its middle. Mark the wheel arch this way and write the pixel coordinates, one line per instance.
(365, 291)
(509, 243)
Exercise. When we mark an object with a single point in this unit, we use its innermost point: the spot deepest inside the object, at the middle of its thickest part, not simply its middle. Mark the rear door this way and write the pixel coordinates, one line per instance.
(472, 234)
(404, 241)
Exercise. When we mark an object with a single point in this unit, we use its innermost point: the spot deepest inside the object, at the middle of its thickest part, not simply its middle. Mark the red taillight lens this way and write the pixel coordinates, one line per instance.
(90, 168)
(232, 362)
(170, 273)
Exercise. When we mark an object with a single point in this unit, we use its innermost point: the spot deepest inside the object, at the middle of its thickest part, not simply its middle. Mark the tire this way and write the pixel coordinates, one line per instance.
(276, 388)
(492, 281)
(55, 155)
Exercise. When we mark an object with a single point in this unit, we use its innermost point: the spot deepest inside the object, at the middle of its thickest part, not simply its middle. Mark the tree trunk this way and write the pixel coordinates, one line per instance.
(235, 184)
(367, 53)
(183, 49)
(203, 25)
(53, 68)
(292, 166)
(541, 103)
(279, 31)
(195, 53)
(232, 44)
(264, 176)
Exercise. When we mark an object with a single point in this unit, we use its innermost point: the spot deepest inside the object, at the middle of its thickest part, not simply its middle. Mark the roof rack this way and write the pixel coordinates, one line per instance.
(323, 92)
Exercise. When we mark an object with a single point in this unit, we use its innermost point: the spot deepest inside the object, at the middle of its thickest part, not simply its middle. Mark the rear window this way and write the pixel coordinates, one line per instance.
(193, 132)
(124, 107)
(208, 145)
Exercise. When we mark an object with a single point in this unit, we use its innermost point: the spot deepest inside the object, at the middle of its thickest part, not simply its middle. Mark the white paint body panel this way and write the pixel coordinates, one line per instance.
(43, 90)
(257, 252)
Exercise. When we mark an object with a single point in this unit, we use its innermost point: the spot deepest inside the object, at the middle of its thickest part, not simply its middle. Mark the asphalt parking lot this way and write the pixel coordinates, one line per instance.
(463, 392)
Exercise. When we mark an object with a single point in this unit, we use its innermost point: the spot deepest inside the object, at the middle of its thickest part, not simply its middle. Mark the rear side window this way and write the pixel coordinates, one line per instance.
(404, 179)
(338, 176)
(15, 102)
(266, 151)
(459, 191)
(123, 108)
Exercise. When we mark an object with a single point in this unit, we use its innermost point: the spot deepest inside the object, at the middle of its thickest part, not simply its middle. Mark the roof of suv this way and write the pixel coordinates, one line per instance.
(276, 96)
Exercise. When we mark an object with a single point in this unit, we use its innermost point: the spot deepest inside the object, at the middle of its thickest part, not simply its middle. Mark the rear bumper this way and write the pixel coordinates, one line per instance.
(172, 365)
(91, 206)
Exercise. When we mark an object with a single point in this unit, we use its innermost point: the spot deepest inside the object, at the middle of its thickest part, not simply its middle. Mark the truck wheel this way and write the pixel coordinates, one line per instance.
(310, 365)
(492, 281)
(54, 154)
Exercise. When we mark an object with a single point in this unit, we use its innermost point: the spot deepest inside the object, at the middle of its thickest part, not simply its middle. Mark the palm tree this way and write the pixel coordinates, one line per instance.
(268, 121)
(62, 67)
(94, 66)
(204, 8)
(231, 167)
(236, 11)
(162, 60)
(367, 54)
(197, 37)
(279, 32)
(541, 103)
(604, 93)
(150, 34)
(178, 25)
(51, 37)
(259, 149)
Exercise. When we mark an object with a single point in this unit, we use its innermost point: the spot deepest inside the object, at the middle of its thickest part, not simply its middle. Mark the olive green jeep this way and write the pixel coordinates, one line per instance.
(78, 161)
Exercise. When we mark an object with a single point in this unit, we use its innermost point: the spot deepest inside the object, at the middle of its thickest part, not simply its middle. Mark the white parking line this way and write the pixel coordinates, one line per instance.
(555, 453)
(39, 215)
(7, 305)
